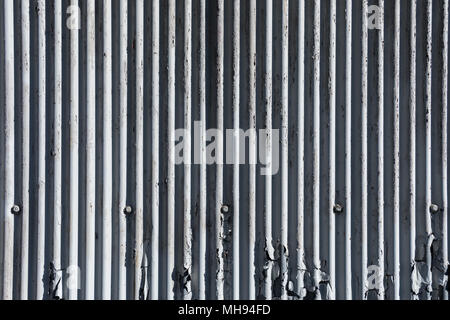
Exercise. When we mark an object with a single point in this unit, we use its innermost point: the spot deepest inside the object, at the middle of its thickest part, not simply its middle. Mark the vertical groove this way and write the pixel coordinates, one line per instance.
(348, 151)
(269, 250)
(301, 267)
(332, 164)
(236, 161)
(139, 222)
(203, 191)
(252, 153)
(171, 155)
(219, 150)
(25, 147)
(8, 249)
(154, 259)
(316, 151)
(428, 146)
(107, 152)
(396, 153)
(123, 148)
(445, 142)
(187, 256)
(284, 151)
(364, 179)
(412, 152)
(90, 154)
(42, 155)
(380, 172)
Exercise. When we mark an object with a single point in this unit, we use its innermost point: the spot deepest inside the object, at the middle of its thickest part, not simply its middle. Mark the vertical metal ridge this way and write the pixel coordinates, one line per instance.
(139, 216)
(412, 151)
(90, 154)
(348, 151)
(236, 160)
(219, 150)
(187, 236)
(154, 259)
(74, 157)
(284, 150)
(123, 148)
(8, 249)
(364, 175)
(332, 155)
(316, 151)
(445, 142)
(428, 145)
(57, 201)
(25, 18)
(269, 250)
(203, 191)
(301, 266)
(107, 152)
(171, 153)
(42, 153)
(252, 153)
(396, 152)
(381, 147)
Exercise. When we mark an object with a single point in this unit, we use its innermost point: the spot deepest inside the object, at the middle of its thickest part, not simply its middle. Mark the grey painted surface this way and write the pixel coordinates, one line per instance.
(407, 263)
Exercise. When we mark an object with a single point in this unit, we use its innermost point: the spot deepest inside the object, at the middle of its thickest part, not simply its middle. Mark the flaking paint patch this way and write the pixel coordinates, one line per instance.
(186, 283)
(420, 275)
(269, 265)
(279, 278)
(220, 277)
(301, 273)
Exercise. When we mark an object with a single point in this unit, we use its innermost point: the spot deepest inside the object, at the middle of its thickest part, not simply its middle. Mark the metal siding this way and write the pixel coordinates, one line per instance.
(88, 174)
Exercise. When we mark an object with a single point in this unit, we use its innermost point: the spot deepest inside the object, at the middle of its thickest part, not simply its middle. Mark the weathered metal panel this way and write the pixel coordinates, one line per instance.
(339, 192)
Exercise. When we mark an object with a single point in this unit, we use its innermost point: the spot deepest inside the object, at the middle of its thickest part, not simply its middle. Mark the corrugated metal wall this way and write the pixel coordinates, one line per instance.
(94, 205)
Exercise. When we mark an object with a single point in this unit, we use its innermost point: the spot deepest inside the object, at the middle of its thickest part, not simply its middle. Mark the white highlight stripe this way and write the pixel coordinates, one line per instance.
(332, 156)
(107, 152)
(139, 216)
(26, 147)
(154, 259)
(364, 154)
(90, 154)
(8, 249)
(236, 112)
(123, 148)
(42, 154)
(252, 154)
(171, 156)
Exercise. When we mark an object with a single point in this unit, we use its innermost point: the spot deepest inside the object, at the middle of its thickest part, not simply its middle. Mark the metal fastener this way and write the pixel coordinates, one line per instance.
(128, 210)
(225, 209)
(434, 208)
(338, 208)
(15, 209)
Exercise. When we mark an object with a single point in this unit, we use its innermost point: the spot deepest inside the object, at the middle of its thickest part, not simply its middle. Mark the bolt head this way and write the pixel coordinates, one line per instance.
(225, 209)
(128, 210)
(434, 208)
(15, 209)
(338, 209)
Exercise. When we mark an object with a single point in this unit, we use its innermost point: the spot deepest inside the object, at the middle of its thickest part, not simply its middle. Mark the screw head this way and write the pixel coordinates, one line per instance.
(128, 210)
(434, 208)
(15, 209)
(338, 209)
(225, 209)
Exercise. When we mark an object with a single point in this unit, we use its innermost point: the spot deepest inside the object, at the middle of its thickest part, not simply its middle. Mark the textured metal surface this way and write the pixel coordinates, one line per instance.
(96, 206)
